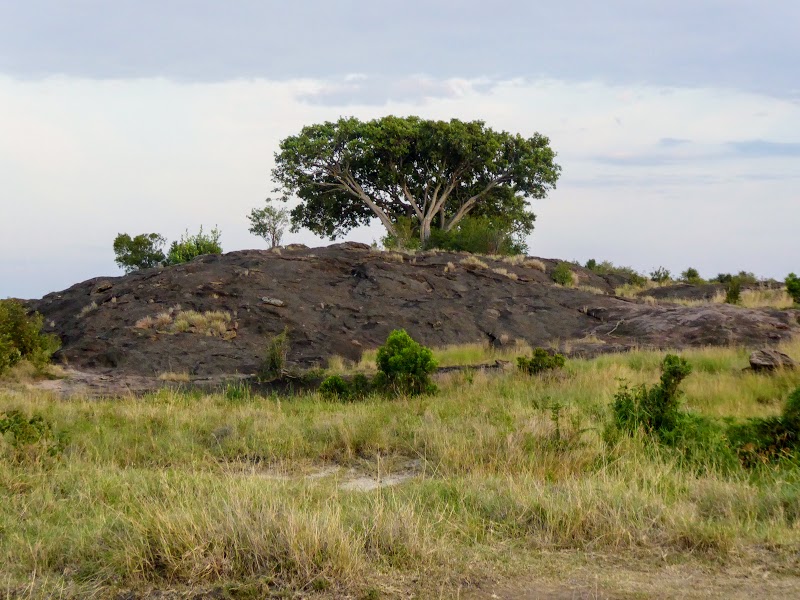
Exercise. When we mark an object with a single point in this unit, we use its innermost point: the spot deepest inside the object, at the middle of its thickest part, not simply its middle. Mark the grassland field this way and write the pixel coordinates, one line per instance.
(498, 479)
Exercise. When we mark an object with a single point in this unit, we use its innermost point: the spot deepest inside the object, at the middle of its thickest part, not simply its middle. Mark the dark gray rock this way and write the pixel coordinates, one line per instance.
(770, 360)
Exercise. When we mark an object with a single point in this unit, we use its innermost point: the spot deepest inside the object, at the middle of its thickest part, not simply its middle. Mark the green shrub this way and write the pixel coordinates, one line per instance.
(764, 440)
(334, 388)
(404, 366)
(140, 252)
(691, 275)
(733, 291)
(540, 361)
(21, 337)
(592, 265)
(793, 287)
(660, 275)
(562, 274)
(338, 388)
(273, 365)
(29, 437)
(191, 246)
(479, 235)
(654, 409)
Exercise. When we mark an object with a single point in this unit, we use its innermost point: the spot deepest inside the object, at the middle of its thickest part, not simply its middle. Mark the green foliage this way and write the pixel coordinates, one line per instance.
(765, 440)
(273, 364)
(562, 274)
(540, 361)
(691, 275)
(269, 223)
(608, 268)
(29, 436)
(733, 291)
(592, 265)
(404, 366)
(336, 387)
(141, 252)
(435, 173)
(660, 275)
(793, 287)
(21, 337)
(654, 409)
(481, 235)
(191, 246)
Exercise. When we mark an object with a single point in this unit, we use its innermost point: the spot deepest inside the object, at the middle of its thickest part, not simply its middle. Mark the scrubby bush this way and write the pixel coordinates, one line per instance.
(21, 337)
(273, 364)
(654, 409)
(404, 366)
(29, 438)
(562, 274)
(479, 235)
(733, 291)
(763, 440)
(608, 268)
(336, 387)
(141, 252)
(660, 275)
(691, 275)
(793, 287)
(591, 264)
(269, 223)
(540, 361)
(191, 246)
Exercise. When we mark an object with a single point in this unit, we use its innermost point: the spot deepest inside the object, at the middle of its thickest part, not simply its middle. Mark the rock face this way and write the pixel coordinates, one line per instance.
(770, 360)
(343, 299)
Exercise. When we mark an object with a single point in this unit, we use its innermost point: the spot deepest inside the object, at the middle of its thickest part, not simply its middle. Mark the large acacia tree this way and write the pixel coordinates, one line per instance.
(434, 173)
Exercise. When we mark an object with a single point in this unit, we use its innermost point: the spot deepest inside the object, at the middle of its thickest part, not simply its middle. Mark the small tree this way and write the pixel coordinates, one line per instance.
(191, 246)
(269, 223)
(405, 366)
(691, 275)
(793, 287)
(140, 252)
(21, 337)
(660, 275)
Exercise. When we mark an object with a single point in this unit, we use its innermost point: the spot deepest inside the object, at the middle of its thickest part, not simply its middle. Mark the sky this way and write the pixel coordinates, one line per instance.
(677, 125)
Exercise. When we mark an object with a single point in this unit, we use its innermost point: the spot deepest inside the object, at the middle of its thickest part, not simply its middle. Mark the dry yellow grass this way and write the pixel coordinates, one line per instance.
(506, 273)
(182, 377)
(212, 322)
(534, 263)
(473, 263)
(591, 289)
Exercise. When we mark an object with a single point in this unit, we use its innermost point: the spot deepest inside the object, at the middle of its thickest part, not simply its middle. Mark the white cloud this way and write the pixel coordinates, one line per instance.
(82, 160)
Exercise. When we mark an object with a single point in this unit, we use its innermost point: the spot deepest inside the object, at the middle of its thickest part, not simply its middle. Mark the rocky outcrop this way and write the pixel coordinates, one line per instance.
(343, 299)
(770, 360)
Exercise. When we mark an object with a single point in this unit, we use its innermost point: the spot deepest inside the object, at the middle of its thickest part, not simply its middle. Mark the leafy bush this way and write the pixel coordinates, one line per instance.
(404, 366)
(660, 275)
(191, 246)
(763, 440)
(691, 275)
(479, 235)
(562, 274)
(733, 291)
(793, 287)
(337, 388)
(592, 265)
(29, 436)
(654, 409)
(334, 387)
(274, 362)
(540, 361)
(21, 337)
(141, 252)
(269, 223)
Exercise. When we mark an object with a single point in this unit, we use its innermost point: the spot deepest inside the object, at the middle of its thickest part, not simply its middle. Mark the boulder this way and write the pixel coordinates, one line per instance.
(770, 360)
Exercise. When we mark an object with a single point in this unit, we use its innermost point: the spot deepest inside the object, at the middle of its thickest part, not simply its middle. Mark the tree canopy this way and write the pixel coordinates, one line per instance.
(433, 173)
(140, 252)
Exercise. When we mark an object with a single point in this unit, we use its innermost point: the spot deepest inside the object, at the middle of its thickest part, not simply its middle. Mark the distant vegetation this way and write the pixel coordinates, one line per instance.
(145, 250)
(21, 337)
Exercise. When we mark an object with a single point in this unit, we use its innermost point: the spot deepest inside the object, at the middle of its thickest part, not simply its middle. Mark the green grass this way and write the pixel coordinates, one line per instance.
(194, 492)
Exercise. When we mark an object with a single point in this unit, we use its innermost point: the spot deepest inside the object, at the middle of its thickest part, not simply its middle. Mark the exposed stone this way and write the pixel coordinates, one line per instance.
(365, 297)
(770, 360)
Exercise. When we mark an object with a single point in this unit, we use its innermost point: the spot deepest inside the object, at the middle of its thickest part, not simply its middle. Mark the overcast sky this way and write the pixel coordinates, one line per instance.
(677, 126)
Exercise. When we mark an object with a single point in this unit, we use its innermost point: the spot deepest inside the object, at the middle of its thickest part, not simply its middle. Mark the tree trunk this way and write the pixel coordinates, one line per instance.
(425, 231)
